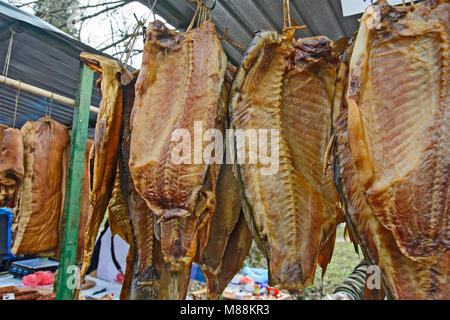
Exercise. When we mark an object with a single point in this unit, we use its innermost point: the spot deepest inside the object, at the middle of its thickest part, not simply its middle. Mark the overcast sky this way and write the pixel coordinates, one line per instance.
(96, 32)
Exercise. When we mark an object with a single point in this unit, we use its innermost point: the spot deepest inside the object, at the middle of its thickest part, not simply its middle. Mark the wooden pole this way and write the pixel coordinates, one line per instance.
(71, 214)
(41, 92)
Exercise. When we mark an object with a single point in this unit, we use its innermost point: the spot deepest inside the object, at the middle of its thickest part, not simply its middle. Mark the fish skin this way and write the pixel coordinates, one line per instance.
(176, 91)
(84, 203)
(306, 109)
(228, 239)
(402, 277)
(11, 165)
(398, 132)
(224, 221)
(36, 219)
(237, 250)
(119, 223)
(11, 157)
(173, 82)
(227, 264)
(145, 280)
(260, 99)
(105, 153)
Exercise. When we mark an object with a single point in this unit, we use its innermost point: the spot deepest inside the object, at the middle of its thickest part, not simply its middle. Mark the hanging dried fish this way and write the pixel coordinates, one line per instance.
(391, 160)
(11, 157)
(106, 146)
(119, 224)
(287, 86)
(11, 164)
(36, 220)
(179, 84)
(147, 260)
(228, 238)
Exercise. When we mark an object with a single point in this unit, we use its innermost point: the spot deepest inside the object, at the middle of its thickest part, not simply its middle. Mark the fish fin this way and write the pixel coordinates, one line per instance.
(326, 252)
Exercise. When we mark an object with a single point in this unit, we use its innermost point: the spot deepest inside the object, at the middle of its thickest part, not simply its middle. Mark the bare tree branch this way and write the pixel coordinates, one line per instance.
(24, 4)
(116, 42)
(97, 13)
(56, 11)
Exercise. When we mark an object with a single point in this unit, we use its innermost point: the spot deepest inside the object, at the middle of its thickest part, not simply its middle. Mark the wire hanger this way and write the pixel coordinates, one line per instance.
(288, 28)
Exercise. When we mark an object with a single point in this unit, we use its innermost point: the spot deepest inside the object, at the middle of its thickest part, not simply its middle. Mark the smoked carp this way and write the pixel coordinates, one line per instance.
(11, 165)
(105, 152)
(37, 216)
(286, 85)
(228, 237)
(147, 260)
(391, 158)
(178, 87)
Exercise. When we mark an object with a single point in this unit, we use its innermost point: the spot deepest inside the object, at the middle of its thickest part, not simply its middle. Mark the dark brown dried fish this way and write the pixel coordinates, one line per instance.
(179, 84)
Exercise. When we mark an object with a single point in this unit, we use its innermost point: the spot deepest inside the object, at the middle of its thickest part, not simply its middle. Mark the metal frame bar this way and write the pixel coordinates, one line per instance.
(41, 92)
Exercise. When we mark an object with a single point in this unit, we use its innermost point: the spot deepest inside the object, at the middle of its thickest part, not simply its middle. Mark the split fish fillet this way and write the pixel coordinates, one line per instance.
(402, 276)
(179, 85)
(36, 220)
(287, 86)
(11, 164)
(105, 152)
(398, 115)
(146, 265)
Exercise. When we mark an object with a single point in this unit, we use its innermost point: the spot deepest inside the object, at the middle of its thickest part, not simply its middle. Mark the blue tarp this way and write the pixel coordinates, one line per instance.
(7, 212)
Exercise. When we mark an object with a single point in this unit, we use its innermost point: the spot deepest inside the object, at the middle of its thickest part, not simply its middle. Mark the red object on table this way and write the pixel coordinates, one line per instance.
(272, 291)
(120, 277)
(40, 278)
(245, 280)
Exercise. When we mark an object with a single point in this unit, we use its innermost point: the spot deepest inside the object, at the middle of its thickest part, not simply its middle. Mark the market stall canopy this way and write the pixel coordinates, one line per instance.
(243, 17)
(42, 56)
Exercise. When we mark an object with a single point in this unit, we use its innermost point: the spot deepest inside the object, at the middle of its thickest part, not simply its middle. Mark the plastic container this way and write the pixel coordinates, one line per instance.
(5, 232)
(196, 273)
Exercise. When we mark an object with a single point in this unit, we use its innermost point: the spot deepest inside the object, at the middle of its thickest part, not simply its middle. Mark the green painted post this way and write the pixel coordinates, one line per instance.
(71, 213)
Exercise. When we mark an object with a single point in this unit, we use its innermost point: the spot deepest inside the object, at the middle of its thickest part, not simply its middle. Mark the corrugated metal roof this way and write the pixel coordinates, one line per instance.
(244, 17)
(45, 57)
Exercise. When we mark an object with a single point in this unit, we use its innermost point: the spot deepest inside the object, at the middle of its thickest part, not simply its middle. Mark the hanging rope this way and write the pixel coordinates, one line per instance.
(8, 54)
(287, 21)
(48, 111)
(17, 103)
(51, 105)
(224, 37)
(413, 4)
(191, 25)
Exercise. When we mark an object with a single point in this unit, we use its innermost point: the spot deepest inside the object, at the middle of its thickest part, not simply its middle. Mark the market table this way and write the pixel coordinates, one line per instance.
(111, 288)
